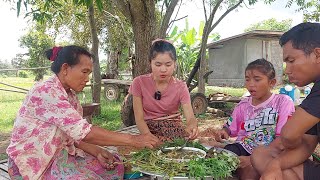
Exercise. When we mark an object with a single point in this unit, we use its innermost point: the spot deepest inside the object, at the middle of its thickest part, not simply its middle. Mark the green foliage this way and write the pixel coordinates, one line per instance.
(311, 10)
(114, 30)
(37, 41)
(19, 61)
(187, 42)
(23, 74)
(6, 65)
(271, 24)
(219, 165)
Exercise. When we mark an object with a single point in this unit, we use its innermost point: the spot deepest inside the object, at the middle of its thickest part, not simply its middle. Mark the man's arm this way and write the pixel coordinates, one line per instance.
(295, 128)
(290, 158)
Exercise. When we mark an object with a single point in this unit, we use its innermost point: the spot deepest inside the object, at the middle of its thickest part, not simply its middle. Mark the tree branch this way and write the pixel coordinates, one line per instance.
(216, 7)
(165, 21)
(224, 15)
(211, 17)
(177, 19)
(205, 11)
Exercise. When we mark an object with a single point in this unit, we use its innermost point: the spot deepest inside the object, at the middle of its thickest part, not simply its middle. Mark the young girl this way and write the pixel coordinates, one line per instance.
(157, 97)
(257, 119)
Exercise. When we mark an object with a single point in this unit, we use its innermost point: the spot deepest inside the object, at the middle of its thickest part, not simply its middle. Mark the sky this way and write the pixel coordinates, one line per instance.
(14, 27)
(238, 20)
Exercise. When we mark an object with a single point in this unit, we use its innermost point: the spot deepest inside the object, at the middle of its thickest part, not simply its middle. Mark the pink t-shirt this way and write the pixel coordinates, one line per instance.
(49, 120)
(172, 97)
(259, 125)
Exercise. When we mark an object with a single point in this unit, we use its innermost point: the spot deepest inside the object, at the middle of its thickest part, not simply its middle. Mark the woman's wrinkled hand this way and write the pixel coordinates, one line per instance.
(107, 159)
(147, 140)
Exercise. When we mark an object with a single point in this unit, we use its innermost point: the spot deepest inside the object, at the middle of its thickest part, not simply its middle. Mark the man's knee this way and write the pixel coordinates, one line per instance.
(260, 157)
(258, 153)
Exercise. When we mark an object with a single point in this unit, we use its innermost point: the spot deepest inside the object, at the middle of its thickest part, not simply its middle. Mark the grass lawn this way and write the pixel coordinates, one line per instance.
(11, 102)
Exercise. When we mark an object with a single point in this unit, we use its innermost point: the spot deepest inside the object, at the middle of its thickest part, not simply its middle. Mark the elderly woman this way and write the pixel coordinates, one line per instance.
(51, 139)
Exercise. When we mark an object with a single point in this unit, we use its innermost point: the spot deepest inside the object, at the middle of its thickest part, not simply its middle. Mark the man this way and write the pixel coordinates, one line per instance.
(299, 137)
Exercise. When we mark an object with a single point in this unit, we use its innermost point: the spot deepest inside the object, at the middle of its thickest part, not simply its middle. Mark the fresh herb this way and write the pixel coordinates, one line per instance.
(218, 165)
(148, 160)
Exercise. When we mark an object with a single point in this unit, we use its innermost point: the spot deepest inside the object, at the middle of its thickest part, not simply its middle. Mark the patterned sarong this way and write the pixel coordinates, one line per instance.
(167, 129)
(66, 166)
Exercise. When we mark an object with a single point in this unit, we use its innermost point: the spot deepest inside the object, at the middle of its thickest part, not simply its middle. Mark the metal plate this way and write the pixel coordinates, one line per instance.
(162, 176)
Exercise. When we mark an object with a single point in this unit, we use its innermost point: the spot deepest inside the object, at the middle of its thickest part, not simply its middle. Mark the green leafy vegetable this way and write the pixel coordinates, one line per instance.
(218, 165)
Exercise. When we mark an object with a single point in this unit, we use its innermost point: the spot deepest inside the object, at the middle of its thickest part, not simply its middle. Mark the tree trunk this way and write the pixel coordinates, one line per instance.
(203, 63)
(96, 91)
(141, 14)
(112, 70)
(144, 27)
(206, 31)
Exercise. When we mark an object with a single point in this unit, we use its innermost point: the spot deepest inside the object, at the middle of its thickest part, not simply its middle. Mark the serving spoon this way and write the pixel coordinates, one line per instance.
(178, 149)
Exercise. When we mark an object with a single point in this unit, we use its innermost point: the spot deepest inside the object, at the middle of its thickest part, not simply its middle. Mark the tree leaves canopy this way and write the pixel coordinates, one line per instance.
(271, 24)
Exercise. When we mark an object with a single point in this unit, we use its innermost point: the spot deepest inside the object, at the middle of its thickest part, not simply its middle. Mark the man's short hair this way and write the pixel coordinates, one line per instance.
(304, 36)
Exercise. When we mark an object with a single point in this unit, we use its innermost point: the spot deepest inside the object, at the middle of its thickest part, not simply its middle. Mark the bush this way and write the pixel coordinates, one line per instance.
(23, 74)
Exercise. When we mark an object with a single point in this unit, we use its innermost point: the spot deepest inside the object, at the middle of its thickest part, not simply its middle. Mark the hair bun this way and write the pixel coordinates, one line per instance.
(55, 51)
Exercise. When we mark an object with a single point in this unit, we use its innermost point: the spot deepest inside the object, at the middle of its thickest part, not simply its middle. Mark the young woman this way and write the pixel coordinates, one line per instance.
(51, 139)
(258, 119)
(157, 97)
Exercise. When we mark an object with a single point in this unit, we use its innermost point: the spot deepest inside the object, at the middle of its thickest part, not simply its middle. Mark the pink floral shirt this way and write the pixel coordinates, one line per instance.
(49, 120)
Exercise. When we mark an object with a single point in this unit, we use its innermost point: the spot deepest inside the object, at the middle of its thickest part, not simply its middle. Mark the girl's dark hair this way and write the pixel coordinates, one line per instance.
(262, 66)
(66, 54)
(304, 36)
(162, 46)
